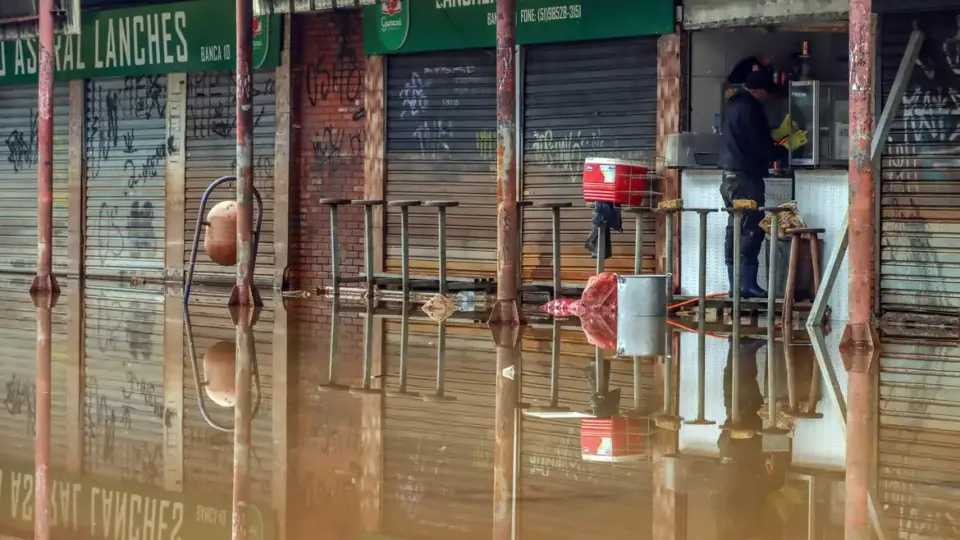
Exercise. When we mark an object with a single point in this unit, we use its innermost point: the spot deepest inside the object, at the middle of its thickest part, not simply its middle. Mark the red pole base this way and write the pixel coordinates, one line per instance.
(44, 284)
(252, 294)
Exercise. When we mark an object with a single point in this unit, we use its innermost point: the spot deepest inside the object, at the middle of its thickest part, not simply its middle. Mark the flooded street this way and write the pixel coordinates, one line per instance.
(379, 425)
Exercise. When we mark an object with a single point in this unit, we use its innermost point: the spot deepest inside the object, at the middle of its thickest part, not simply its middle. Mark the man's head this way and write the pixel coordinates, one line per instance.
(758, 83)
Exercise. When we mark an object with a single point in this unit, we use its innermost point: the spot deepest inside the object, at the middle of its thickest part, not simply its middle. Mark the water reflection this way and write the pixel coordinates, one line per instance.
(427, 430)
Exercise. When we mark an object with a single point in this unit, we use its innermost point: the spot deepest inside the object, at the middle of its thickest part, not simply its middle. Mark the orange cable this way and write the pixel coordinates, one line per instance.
(694, 301)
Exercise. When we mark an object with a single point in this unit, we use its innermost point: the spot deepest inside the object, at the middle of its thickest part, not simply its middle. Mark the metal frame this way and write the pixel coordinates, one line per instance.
(201, 222)
(199, 385)
(883, 127)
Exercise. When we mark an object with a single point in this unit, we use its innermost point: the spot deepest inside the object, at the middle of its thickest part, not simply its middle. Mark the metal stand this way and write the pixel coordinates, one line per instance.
(367, 388)
(198, 385)
(554, 406)
(401, 391)
(701, 419)
(331, 384)
(439, 394)
(557, 245)
(201, 222)
(441, 207)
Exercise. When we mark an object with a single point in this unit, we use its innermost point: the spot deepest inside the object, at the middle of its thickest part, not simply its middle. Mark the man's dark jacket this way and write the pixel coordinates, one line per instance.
(747, 146)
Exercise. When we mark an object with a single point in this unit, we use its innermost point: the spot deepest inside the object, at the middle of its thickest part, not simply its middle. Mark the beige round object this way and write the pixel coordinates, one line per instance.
(220, 240)
(219, 370)
(668, 423)
(742, 434)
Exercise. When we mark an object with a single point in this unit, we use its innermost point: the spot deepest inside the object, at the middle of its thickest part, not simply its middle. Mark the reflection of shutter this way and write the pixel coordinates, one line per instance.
(919, 266)
(439, 456)
(208, 452)
(123, 339)
(919, 434)
(18, 332)
(18, 172)
(211, 140)
(580, 100)
(126, 168)
(442, 144)
(564, 496)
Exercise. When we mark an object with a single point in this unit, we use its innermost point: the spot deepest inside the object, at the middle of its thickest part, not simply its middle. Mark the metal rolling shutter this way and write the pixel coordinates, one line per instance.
(126, 146)
(919, 266)
(123, 342)
(919, 434)
(208, 452)
(18, 175)
(211, 141)
(438, 457)
(18, 331)
(580, 100)
(564, 496)
(442, 144)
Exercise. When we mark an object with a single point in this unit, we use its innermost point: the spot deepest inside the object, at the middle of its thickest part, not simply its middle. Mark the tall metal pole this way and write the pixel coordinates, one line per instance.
(860, 342)
(44, 281)
(506, 311)
(243, 292)
(43, 302)
(242, 417)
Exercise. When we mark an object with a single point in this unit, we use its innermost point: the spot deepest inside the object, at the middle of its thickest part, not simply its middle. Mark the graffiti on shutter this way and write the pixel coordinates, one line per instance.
(123, 419)
(211, 140)
(18, 327)
(581, 100)
(126, 167)
(18, 166)
(441, 145)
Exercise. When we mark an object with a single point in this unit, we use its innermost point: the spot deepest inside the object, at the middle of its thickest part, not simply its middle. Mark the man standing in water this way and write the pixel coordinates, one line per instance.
(746, 153)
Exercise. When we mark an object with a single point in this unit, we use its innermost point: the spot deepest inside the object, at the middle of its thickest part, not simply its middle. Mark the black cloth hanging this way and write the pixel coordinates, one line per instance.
(607, 215)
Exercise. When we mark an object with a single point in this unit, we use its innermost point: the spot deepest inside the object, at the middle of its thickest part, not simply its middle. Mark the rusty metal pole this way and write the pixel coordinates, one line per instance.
(507, 310)
(859, 332)
(43, 302)
(244, 292)
(242, 417)
(44, 281)
(859, 346)
(505, 433)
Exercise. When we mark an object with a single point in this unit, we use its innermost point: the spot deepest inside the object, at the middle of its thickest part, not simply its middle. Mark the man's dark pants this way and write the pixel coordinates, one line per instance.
(736, 186)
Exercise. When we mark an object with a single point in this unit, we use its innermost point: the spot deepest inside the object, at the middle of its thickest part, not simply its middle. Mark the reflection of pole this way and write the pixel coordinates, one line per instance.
(506, 311)
(504, 457)
(44, 305)
(859, 454)
(242, 420)
(243, 291)
(44, 279)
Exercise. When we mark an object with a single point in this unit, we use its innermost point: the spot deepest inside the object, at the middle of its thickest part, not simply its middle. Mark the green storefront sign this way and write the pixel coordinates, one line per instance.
(436, 25)
(86, 508)
(198, 35)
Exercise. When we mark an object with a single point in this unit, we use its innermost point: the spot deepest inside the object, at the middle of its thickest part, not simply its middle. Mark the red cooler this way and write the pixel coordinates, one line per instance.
(612, 439)
(614, 181)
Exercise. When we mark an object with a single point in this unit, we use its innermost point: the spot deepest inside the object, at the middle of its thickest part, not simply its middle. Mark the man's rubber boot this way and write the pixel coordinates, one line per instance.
(749, 288)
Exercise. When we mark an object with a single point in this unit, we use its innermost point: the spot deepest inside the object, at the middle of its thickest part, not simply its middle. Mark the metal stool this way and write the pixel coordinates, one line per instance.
(334, 205)
(797, 236)
(638, 212)
(369, 270)
(439, 395)
(331, 384)
(441, 207)
(404, 207)
(557, 246)
(367, 387)
(796, 408)
(401, 391)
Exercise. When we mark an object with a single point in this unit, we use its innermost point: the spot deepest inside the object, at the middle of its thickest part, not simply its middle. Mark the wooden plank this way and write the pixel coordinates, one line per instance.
(281, 414)
(374, 176)
(173, 388)
(176, 167)
(75, 180)
(282, 165)
(75, 377)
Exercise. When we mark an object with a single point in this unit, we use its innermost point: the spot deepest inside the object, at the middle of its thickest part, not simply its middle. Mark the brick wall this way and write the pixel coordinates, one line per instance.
(328, 135)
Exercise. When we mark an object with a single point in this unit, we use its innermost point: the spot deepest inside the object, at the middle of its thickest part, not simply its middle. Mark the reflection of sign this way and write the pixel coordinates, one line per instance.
(394, 23)
(98, 510)
(436, 25)
(145, 40)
